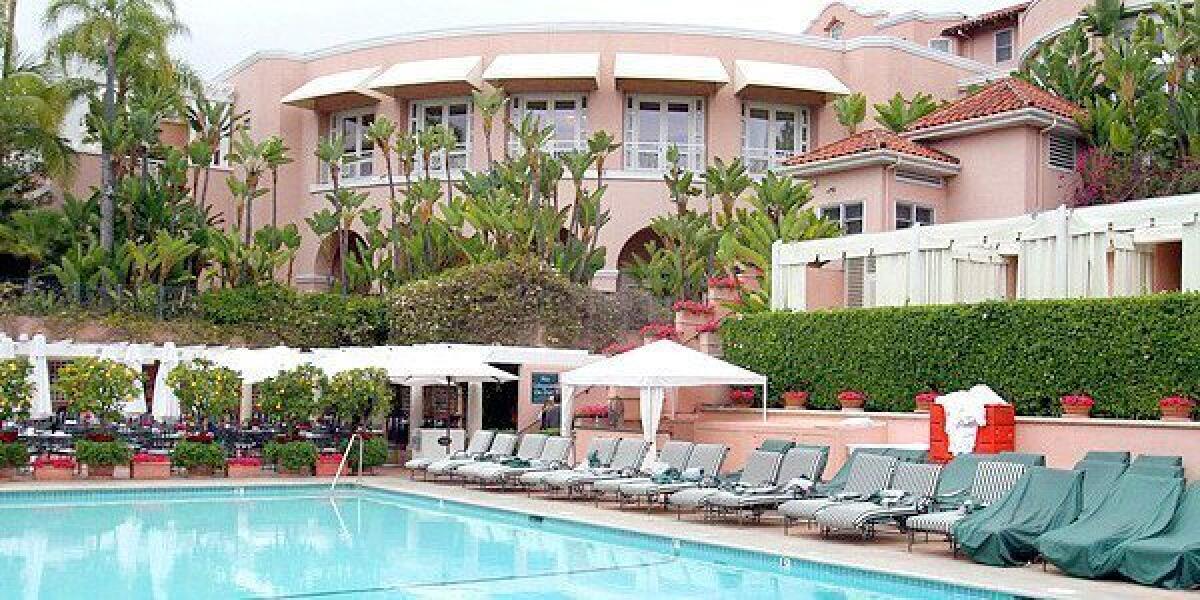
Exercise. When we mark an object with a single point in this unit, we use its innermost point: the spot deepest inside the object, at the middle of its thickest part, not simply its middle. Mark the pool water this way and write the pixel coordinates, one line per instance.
(302, 542)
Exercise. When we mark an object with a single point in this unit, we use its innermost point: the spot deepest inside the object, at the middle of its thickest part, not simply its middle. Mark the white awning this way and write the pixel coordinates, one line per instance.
(579, 70)
(425, 78)
(630, 69)
(780, 76)
(348, 86)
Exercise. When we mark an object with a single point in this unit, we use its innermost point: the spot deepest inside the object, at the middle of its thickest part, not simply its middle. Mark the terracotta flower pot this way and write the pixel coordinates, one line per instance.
(8, 437)
(100, 471)
(327, 469)
(8, 473)
(924, 401)
(53, 474)
(1177, 412)
(150, 470)
(856, 404)
(200, 471)
(246, 471)
(795, 400)
(1077, 411)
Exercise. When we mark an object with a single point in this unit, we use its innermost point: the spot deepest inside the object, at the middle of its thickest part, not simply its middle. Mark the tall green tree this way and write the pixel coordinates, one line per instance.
(275, 154)
(898, 112)
(851, 111)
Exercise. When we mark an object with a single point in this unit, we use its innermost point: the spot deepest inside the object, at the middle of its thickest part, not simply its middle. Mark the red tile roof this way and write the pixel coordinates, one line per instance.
(988, 19)
(868, 141)
(995, 98)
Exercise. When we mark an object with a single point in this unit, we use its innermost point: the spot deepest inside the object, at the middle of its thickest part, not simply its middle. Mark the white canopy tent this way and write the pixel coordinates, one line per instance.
(166, 403)
(1096, 251)
(655, 368)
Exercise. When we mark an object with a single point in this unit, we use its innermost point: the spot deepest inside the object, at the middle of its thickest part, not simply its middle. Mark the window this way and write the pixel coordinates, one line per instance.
(655, 123)
(908, 214)
(359, 159)
(454, 113)
(942, 45)
(1004, 45)
(771, 134)
(567, 114)
(837, 30)
(919, 178)
(849, 216)
(1064, 152)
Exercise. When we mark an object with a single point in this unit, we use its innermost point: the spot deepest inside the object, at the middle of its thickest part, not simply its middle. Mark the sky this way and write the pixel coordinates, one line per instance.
(224, 32)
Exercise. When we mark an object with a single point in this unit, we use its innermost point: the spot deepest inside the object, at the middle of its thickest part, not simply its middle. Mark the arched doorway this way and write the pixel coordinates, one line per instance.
(328, 263)
(634, 248)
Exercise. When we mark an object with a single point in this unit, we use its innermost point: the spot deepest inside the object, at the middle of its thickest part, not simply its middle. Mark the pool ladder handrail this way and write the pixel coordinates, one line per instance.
(346, 456)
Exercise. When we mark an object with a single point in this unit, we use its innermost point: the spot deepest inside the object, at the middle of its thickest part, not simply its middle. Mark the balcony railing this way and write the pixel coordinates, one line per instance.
(761, 160)
(652, 156)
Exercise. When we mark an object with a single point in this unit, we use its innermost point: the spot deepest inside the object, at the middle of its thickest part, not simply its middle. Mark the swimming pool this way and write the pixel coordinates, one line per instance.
(301, 542)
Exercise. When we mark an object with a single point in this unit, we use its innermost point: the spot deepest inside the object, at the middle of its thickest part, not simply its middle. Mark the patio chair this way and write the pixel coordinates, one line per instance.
(993, 481)
(673, 455)
(956, 480)
(630, 454)
(768, 445)
(480, 442)
(555, 454)
(909, 493)
(1107, 456)
(838, 481)
(1099, 479)
(1005, 534)
(868, 475)
(1170, 559)
(600, 452)
(760, 471)
(528, 449)
(1022, 458)
(502, 446)
(799, 468)
(1139, 507)
(701, 469)
(1157, 460)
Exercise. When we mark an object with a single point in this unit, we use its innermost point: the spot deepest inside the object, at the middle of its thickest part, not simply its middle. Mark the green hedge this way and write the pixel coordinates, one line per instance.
(296, 318)
(1127, 352)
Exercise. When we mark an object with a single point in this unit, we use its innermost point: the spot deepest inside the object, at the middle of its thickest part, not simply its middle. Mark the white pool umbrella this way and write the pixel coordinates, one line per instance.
(39, 378)
(258, 364)
(444, 365)
(132, 358)
(166, 403)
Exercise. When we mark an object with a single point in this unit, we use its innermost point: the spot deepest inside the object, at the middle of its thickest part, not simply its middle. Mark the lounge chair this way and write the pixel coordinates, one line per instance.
(480, 442)
(1158, 460)
(1099, 478)
(838, 481)
(599, 454)
(993, 481)
(869, 474)
(1106, 456)
(502, 446)
(1005, 533)
(800, 467)
(1170, 559)
(630, 454)
(1153, 470)
(1022, 458)
(555, 454)
(908, 455)
(760, 471)
(528, 449)
(701, 469)
(955, 482)
(768, 445)
(1138, 507)
(673, 455)
(909, 493)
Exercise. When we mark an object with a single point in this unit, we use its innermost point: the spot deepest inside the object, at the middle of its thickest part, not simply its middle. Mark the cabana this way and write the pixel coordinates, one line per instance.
(655, 368)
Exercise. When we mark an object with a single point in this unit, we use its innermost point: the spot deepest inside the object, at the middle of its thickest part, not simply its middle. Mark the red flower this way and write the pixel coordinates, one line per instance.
(597, 410)
(659, 331)
(710, 327)
(692, 306)
(56, 462)
(929, 396)
(728, 282)
(245, 461)
(741, 394)
(1081, 400)
(145, 458)
(618, 348)
(851, 396)
(200, 438)
(1171, 401)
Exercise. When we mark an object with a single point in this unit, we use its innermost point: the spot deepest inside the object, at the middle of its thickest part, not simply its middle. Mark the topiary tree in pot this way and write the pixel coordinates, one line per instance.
(355, 396)
(98, 387)
(206, 391)
(16, 394)
(293, 397)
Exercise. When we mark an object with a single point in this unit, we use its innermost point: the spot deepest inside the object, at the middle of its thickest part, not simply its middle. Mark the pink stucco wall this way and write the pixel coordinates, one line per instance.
(1043, 19)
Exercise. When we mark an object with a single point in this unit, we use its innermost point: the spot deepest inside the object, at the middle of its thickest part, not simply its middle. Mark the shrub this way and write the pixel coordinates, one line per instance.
(98, 386)
(292, 456)
(356, 394)
(375, 453)
(205, 391)
(14, 455)
(190, 455)
(102, 454)
(298, 319)
(1128, 352)
(16, 393)
(292, 397)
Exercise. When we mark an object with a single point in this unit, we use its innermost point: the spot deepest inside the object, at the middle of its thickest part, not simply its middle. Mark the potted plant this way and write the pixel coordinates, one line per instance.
(293, 397)
(596, 411)
(98, 387)
(852, 400)
(244, 467)
(150, 466)
(327, 464)
(374, 454)
(294, 458)
(206, 392)
(1176, 408)
(16, 397)
(198, 456)
(1077, 405)
(741, 397)
(925, 400)
(53, 468)
(103, 456)
(795, 399)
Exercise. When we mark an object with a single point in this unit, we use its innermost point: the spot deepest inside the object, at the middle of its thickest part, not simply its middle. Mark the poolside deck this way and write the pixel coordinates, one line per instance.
(886, 553)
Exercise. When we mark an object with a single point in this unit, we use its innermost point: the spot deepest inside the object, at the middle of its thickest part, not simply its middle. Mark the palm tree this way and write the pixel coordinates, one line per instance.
(332, 152)
(898, 113)
(212, 121)
(601, 144)
(118, 34)
(490, 103)
(250, 156)
(32, 109)
(381, 133)
(10, 36)
(851, 111)
(446, 141)
(275, 153)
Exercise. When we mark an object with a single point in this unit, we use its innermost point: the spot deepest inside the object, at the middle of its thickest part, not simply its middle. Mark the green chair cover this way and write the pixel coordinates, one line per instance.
(907, 454)
(1171, 559)
(780, 446)
(1023, 458)
(955, 483)
(1098, 481)
(1139, 507)
(1107, 456)
(1158, 460)
(1004, 534)
(1152, 470)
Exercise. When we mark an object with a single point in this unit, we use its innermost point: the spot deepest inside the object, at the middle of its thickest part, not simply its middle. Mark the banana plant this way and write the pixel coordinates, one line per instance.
(679, 182)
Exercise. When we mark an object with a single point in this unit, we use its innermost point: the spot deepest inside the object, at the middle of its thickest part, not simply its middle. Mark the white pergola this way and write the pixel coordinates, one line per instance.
(655, 368)
(1091, 252)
